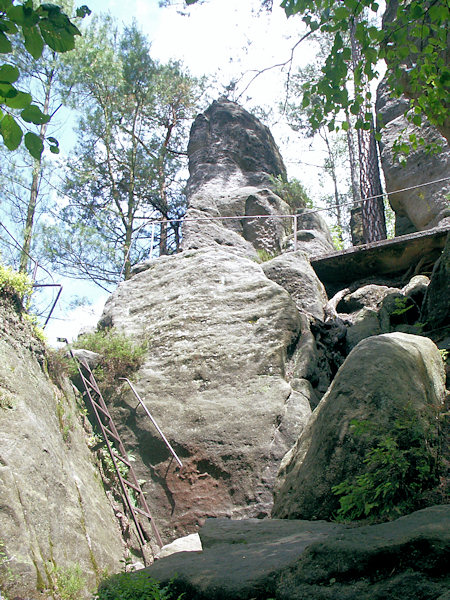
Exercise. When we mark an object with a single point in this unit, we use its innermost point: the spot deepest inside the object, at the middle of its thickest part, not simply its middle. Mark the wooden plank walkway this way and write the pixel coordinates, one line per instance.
(388, 258)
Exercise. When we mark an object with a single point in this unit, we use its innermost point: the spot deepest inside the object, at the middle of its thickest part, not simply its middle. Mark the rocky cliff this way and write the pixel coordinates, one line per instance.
(55, 520)
(239, 353)
(421, 207)
(258, 380)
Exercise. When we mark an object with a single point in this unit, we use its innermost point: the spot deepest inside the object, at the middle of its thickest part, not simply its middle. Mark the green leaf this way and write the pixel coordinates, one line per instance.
(54, 149)
(33, 41)
(9, 74)
(341, 13)
(20, 100)
(345, 126)
(8, 26)
(7, 91)
(11, 132)
(83, 11)
(33, 114)
(17, 14)
(5, 44)
(57, 38)
(34, 145)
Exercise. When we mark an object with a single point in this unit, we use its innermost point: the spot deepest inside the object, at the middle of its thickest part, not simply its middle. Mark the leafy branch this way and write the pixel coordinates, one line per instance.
(37, 28)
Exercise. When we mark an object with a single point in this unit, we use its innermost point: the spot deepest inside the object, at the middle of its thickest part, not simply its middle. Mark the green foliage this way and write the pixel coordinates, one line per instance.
(413, 44)
(38, 332)
(264, 255)
(14, 283)
(401, 465)
(444, 354)
(68, 582)
(64, 420)
(6, 574)
(136, 586)
(292, 192)
(336, 235)
(120, 355)
(403, 305)
(37, 27)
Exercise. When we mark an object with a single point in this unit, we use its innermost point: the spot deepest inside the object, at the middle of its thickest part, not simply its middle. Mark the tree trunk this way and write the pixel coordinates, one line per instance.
(372, 209)
(34, 191)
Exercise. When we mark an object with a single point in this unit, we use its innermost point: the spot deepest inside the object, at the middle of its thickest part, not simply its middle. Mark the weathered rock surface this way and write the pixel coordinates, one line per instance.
(313, 235)
(374, 309)
(291, 560)
(188, 543)
(219, 334)
(231, 155)
(294, 273)
(54, 512)
(436, 305)
(426, 206)
(382, 376)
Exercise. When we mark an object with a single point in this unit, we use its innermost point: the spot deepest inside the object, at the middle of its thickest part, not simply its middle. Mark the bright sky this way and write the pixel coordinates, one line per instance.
(221, 37)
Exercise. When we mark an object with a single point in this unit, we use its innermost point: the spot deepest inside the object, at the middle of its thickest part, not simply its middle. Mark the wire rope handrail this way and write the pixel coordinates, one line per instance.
(166, 441)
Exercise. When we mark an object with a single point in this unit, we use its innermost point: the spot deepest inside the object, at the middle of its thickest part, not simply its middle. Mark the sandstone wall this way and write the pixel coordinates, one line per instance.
(53, 509)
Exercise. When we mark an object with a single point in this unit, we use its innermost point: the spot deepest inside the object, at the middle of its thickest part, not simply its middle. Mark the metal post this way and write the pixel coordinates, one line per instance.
(295, 233)
(152, 239)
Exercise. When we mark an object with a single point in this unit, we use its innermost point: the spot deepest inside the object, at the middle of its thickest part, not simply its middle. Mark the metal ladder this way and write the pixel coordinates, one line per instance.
(113, 442)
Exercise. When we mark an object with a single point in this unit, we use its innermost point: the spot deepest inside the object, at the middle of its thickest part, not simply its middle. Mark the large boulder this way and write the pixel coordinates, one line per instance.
(219, 334)
(291, 560)
(231, 158)
(313, 234)
(426, 206)
(54, 512)
(294, 273)
(382, 378)
(373, 309)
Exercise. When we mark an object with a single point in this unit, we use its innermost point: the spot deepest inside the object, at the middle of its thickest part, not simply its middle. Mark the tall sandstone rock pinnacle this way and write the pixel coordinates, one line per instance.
(231, 158)
(221, 333)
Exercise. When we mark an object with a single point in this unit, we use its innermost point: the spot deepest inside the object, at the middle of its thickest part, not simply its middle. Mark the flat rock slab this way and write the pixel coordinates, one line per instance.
(246, 562)
(388, 257)
(318, 560)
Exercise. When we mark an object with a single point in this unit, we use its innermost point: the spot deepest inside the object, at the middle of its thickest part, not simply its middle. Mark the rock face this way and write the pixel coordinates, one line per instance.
(231, 155)
(294, 273)
(54, 512)
(407, 374)
(289, 560)
(219, 334)
(436, 306)
(423, 207)
(313, 235)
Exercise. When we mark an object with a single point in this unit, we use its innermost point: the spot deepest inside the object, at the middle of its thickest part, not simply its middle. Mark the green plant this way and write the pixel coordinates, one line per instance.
(134, 586)
(120, 356)
(401, 465)
(292, 192)
(444, 354)
(68, 582)
(403, 305)
(264, 255)
(336, 234)
(14, 283)
(108, 465)
(38, 332)
(6, 574)
(64, 420)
